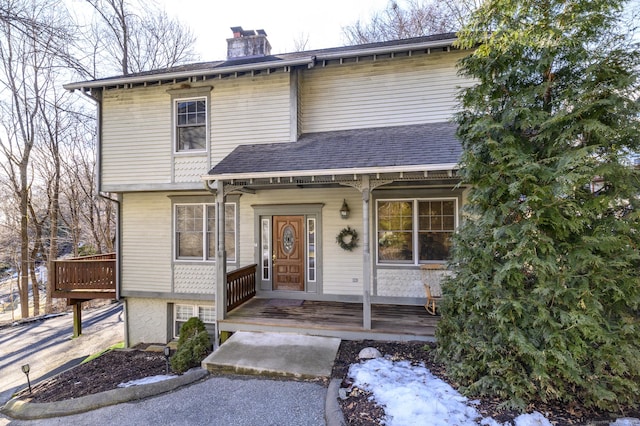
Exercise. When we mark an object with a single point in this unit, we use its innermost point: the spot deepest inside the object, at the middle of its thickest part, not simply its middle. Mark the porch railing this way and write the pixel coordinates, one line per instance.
(90, 277)
(241, 286)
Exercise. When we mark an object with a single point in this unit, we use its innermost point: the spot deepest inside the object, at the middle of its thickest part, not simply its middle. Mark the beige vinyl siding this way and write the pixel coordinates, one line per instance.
(146, 242)
(249, 111)
(339, 267)
(246, 232)
(387, 92)
(136, 140)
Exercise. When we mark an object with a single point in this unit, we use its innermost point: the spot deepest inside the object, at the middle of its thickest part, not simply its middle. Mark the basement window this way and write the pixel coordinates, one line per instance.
(182, 313)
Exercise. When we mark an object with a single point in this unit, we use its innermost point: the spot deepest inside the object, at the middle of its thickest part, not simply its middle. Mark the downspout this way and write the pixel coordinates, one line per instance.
(366, 255)
(97, 98)
(217, 188)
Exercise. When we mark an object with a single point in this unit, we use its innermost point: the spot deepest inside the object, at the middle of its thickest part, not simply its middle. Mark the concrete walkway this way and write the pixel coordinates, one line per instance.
(275, 354)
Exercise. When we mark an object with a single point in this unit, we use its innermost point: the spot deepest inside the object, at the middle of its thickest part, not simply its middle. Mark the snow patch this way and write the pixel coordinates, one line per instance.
(146, 381)
(411, 395)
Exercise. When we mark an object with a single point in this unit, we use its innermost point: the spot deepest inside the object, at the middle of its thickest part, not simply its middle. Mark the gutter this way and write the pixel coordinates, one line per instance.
(330, 172)
(388, 49)
(309, 61)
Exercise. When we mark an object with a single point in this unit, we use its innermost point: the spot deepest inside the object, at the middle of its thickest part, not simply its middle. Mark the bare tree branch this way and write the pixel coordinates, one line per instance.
(411, 18)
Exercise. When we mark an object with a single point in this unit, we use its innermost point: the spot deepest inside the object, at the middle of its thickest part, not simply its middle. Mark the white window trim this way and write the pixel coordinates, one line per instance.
(308, 266)
(414, 231)
(205, 241)
(194, 313)
(174, 112)
(265, 243)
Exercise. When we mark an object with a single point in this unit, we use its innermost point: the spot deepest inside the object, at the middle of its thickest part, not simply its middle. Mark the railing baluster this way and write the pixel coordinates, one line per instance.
(240, 286)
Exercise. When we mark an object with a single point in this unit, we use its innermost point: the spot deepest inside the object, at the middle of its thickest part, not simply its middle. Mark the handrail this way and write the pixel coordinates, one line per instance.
(104, 256)
(241, 286)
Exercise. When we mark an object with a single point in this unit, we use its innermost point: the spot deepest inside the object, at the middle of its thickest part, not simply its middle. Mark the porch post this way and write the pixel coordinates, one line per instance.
(366, 256)
(221, 258)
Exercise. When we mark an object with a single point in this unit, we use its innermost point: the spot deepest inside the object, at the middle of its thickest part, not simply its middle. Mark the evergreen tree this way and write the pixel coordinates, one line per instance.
(544, 302)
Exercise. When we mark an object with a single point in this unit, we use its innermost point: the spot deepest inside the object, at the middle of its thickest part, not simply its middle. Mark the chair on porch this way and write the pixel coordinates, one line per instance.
(431, 276)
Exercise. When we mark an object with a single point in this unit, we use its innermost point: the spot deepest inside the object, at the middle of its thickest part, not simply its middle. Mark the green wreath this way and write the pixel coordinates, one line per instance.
(353, 241)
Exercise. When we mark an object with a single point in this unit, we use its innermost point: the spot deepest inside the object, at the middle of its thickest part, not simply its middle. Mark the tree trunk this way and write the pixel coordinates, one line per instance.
(35, 289)
(24, 247)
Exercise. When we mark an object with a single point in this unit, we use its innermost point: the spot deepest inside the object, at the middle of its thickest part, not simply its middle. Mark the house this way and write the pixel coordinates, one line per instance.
(245, 179)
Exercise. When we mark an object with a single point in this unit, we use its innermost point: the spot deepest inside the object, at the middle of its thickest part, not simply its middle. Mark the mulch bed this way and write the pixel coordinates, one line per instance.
(98, 375)
(120, 366)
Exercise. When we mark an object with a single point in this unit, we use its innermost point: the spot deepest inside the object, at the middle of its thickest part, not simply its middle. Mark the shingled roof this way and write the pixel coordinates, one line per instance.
(304, 58)
(432, 146)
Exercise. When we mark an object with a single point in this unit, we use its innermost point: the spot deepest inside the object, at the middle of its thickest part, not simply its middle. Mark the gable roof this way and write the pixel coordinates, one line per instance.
(421, 147)
(309, 58)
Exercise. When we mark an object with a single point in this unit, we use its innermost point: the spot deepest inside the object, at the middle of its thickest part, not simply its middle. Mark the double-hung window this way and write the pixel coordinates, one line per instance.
(415, 231)
(195, 226)
(191, 124)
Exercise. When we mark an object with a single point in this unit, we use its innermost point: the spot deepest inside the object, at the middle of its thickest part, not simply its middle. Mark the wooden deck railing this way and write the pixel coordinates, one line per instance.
(241, 286)
(90, 277)
(104, 256)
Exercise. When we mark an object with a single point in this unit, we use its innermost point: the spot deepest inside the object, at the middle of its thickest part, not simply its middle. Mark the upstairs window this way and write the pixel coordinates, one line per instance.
(415, 231)
(191, 124)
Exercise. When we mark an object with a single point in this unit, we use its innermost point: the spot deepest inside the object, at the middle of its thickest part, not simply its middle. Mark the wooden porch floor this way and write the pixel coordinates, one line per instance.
(334, 319)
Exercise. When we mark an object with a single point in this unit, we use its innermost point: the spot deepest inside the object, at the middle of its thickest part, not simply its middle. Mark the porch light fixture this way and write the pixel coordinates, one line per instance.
(25, 370)
(344, 210)
(167, 352)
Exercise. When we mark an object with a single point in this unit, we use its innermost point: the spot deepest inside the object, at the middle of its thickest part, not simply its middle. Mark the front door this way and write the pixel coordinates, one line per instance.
(288, 253)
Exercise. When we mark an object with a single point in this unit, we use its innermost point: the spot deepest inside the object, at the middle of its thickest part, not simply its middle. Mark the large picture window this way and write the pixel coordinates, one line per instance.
(415, 231)
(195, 226)
(191, 124)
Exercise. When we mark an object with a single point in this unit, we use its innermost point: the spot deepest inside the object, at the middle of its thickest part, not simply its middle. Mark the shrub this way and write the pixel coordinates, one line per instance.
(193, 345)
(543, 303)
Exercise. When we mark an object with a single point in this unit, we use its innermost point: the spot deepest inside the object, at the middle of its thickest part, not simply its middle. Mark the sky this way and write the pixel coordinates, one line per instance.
(283, 20)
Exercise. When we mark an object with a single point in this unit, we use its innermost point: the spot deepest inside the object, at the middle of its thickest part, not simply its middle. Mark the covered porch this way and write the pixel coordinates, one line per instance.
(247, 312)
(290, 186)
(331, 319)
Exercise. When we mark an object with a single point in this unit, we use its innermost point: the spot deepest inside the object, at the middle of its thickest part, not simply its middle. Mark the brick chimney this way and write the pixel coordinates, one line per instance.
(247, 44)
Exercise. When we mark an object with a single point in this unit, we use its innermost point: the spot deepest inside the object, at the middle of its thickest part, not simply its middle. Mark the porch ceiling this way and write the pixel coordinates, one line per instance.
(421, 151)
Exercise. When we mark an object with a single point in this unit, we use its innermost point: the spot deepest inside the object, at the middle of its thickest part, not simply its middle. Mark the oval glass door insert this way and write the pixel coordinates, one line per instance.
(288, 239)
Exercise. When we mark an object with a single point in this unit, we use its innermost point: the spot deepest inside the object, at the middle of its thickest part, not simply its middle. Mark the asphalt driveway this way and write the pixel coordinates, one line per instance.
(218, 400)
(47, 344)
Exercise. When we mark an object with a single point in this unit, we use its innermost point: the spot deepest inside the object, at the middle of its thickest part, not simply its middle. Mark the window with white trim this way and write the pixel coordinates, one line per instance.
(413, 231)
(191, 124)
(195, 226)
(182, 313)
